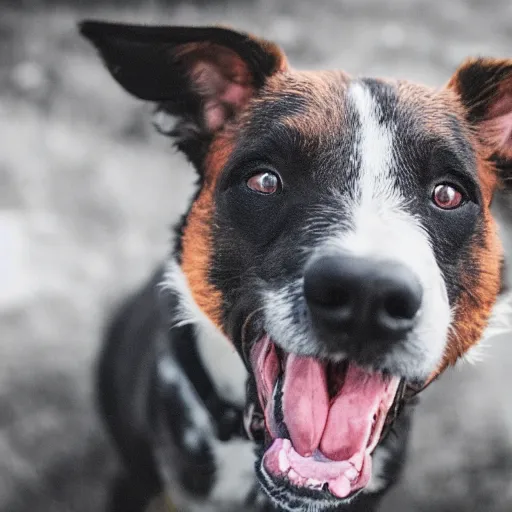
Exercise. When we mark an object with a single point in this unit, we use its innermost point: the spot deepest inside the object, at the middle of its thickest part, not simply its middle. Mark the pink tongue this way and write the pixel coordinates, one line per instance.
(341, 428)
(305, 402)
(353, 414)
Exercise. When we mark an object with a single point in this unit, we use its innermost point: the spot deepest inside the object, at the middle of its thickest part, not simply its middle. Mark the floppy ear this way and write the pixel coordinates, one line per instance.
(202, 75)
(484, 86)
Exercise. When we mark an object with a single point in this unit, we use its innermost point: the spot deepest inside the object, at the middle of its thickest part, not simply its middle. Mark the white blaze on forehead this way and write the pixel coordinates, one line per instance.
(375, 194)
(377, 200)
(373, 146)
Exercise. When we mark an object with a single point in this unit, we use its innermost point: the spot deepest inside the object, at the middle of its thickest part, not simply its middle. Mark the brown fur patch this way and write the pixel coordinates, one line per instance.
(323, 93)
(474, 307)
(197, 242)
(429, 107)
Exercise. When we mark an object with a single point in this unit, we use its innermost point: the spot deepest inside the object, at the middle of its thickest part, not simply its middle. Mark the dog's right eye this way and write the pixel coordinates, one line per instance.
(264, 182)
(447, 196)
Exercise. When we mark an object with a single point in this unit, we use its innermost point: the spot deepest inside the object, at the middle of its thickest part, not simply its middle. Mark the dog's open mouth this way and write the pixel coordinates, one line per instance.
(324, 420)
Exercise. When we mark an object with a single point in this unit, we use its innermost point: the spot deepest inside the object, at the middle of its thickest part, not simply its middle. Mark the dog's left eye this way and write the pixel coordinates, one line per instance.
(447, 196)
(264, 182)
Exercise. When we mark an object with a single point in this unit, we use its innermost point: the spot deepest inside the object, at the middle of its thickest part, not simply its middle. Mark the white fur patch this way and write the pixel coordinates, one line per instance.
(217, 353)
(171, 373)
(374, 151)
(500, 321)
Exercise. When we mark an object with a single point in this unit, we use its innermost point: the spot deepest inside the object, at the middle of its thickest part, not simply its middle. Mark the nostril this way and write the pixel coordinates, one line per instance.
(400, 306)
(330, 292)
(334, 307)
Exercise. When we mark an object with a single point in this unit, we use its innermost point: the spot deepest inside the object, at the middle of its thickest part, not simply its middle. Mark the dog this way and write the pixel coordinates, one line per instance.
(343, 248)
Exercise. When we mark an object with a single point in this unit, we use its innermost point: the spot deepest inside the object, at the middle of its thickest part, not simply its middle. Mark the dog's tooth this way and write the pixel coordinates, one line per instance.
(340, 487)
(293, 475)
(312, 482)
(284, 464)
(351, 474)
(286, 444)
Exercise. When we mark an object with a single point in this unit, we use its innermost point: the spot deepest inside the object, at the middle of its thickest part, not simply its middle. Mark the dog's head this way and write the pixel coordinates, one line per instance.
(342, 236)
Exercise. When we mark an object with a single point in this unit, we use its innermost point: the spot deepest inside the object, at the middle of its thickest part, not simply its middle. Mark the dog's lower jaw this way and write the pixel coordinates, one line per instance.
(388, 463)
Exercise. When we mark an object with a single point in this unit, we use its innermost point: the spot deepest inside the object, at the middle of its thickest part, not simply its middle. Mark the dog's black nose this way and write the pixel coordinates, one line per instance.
(362, 297)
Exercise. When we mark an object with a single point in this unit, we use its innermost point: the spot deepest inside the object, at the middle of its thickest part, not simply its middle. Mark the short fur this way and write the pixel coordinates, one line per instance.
(358, 159)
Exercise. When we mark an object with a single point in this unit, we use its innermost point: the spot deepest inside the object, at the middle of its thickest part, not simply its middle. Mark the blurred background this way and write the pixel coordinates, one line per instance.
(87, 194)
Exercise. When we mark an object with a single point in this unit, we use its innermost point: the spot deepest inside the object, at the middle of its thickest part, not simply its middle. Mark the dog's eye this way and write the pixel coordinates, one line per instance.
(264, 182)
(447, 196)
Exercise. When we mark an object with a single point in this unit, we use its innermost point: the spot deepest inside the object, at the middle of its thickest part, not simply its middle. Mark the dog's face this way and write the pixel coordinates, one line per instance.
(342, 237)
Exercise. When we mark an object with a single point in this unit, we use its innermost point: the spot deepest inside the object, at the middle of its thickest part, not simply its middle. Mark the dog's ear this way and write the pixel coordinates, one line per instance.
(485, 89)
(484, 86)
(204, 76)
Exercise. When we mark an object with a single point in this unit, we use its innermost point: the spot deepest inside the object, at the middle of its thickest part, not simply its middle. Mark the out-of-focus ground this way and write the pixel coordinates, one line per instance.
(87, 193)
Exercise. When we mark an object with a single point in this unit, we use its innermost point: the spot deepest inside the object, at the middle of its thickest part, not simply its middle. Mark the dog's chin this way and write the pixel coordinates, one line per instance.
(322, 422)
